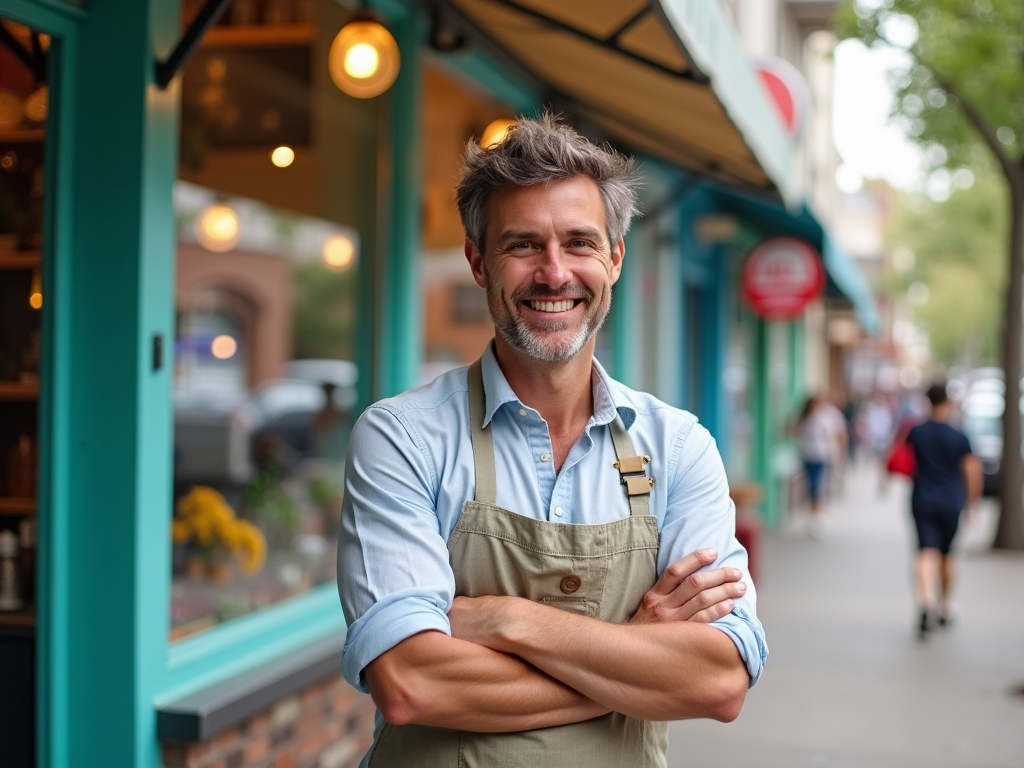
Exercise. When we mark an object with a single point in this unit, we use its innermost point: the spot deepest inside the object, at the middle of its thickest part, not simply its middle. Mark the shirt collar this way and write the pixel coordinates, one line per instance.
(609, 400)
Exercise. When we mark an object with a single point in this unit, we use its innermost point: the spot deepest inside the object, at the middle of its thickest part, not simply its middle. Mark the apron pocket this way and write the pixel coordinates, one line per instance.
(572, 604)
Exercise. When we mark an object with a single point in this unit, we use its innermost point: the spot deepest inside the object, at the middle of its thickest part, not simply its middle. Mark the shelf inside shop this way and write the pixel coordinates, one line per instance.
(19, 259)
(259, 35)
(19, 390)
(18, 618)
(14, 505)
(21, 135)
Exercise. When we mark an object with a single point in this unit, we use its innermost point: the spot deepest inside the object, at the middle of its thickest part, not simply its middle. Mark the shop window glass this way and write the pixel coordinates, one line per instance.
(275, 209)
(457, 324)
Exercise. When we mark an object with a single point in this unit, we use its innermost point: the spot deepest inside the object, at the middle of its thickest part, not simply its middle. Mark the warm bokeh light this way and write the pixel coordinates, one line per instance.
(35, 291)
(361, 61)
(36, 105)
(282, 157)
(218, 228)
(364, 59)
(223, 347)
(496, 132)
(338, 252)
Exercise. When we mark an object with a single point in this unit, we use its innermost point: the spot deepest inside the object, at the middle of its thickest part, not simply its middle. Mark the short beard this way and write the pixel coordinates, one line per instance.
(509, 324)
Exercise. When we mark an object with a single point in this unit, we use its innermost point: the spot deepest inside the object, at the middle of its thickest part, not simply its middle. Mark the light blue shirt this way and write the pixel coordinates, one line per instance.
(410, 469)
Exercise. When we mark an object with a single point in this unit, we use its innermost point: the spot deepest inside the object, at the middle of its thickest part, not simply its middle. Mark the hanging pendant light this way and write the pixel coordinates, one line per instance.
(364, 59)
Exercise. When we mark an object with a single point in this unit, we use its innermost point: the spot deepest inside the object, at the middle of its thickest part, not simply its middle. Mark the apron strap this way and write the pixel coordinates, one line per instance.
(631, 469)
(483, 444)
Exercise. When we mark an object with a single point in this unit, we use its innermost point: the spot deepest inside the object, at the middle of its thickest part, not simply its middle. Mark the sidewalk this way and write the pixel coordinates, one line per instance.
(847, 683)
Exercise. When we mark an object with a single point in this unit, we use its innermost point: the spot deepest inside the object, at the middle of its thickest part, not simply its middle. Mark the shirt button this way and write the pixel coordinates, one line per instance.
(545, 457)
(522, 411)
(558, 511)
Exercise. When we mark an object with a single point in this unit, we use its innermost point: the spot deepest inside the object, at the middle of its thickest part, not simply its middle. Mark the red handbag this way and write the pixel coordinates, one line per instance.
(901, 460)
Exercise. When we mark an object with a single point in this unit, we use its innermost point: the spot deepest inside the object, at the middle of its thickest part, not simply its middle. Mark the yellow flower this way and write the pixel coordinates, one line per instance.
(180, 531)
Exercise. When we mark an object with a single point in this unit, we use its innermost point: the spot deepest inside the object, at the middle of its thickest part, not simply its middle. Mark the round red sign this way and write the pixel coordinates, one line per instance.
(781, 276)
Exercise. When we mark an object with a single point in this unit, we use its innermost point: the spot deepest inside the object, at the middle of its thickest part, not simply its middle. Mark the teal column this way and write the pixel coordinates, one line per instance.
(797, 390)
(106, 482)
(401, 310)
(763, 423)
(622, 318)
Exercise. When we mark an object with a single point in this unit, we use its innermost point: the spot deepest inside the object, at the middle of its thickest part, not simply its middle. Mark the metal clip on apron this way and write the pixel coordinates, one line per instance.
(602, 571)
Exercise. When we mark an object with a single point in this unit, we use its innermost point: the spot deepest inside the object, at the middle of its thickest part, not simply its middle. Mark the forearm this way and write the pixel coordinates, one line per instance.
(667, 671)
(433, 679)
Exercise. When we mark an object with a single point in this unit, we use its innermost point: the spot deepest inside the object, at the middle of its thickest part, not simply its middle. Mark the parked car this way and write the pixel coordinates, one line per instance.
(284, 411)
(982, 414)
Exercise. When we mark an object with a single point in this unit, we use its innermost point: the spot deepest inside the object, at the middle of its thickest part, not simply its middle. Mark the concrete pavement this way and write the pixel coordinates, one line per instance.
(847, 683)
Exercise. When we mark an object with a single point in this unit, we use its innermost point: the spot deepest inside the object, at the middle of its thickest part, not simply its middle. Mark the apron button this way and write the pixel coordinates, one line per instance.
(570, 584)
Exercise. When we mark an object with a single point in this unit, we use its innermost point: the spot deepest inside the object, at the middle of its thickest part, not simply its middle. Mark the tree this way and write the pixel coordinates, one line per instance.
(963, 95)
(958, 253)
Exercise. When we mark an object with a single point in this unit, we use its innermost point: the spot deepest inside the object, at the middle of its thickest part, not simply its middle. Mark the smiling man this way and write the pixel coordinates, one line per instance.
(538, 565)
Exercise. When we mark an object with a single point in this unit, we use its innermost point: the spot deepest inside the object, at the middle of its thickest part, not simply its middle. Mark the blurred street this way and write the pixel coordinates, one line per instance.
(847, 683)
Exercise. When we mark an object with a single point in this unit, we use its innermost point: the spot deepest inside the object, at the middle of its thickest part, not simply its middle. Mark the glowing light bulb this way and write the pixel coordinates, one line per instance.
(338, 253)
(496, 132)
(223, 347)
(364, 59)
(282, 157)
(218, 228)
(35, 301)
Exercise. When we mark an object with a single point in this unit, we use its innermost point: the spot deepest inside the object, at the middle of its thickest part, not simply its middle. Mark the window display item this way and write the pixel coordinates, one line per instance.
(21, 468)
(27, 559)
(10, 581)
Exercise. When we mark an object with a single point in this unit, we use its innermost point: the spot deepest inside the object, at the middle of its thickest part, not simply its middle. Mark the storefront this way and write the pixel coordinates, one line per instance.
(201, 284)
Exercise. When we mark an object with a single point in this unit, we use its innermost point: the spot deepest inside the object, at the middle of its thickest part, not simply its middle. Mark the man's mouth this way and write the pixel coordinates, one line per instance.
(547, 305)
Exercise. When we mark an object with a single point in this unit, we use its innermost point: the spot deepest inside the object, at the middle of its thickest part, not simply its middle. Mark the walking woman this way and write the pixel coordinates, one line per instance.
(817, 440)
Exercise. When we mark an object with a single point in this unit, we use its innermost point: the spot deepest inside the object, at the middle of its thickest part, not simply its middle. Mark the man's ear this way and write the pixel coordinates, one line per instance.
(617, 254)
(476, 262)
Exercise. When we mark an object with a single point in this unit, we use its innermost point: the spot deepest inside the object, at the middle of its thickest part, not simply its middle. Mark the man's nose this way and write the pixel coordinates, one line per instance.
(552, 267)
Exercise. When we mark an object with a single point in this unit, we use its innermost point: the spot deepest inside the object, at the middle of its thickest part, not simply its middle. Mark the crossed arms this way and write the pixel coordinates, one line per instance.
(511, 664)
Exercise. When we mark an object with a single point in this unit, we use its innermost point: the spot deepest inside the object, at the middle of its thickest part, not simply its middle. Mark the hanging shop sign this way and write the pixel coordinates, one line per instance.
(788, 92)
(781, 276)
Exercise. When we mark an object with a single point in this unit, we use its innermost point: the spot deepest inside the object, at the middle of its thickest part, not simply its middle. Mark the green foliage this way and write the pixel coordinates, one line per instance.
(967, 55)
(960, 254)
(324, 312)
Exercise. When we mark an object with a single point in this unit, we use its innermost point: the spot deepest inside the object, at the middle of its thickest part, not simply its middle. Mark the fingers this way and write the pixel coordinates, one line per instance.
(686, 566)
(712, 604)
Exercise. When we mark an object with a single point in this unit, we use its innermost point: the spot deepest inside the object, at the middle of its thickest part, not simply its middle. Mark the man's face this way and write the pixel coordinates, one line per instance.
(548, 266)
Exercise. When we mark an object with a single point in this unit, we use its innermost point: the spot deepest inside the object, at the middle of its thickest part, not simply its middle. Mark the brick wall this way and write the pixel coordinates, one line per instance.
(329, 725)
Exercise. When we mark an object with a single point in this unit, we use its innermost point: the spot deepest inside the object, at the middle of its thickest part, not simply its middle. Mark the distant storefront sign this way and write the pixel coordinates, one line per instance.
(781, 276)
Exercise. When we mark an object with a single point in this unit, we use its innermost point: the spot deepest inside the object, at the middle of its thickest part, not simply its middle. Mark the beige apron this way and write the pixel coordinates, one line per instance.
(601, 571)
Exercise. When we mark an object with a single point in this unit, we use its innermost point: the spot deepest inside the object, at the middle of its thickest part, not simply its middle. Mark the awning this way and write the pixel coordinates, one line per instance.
(845, 281)
(665, 77)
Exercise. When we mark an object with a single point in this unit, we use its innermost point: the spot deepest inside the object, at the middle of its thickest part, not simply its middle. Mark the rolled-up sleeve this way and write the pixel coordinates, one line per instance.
(700, 514)
(394, 575)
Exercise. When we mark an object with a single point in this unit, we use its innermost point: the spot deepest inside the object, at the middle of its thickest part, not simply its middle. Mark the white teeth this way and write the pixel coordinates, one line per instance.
(552, 306)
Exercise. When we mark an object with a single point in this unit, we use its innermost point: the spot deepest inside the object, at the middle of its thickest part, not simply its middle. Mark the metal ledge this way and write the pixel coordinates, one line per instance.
(202, 715)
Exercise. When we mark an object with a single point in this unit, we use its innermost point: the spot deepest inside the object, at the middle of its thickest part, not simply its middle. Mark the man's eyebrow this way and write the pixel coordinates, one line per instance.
(516, 234)
(586, 232)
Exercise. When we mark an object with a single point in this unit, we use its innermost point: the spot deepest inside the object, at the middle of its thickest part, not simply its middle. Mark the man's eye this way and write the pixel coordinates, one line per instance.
(580, 244)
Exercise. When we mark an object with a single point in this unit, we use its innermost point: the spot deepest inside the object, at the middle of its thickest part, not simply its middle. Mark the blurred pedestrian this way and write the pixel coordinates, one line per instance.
(947, 480)
(818, 442)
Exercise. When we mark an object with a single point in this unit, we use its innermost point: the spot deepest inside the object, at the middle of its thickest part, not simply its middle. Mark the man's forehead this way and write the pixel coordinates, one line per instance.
(580, 206)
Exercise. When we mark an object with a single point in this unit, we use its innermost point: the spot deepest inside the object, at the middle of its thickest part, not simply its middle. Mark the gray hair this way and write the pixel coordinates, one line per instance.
(538, 152)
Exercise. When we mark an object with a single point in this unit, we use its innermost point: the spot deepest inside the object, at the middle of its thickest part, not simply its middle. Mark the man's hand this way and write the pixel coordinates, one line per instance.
(683, 594)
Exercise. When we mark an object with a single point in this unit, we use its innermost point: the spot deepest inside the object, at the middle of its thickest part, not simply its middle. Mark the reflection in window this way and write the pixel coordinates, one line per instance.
(272, 207)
